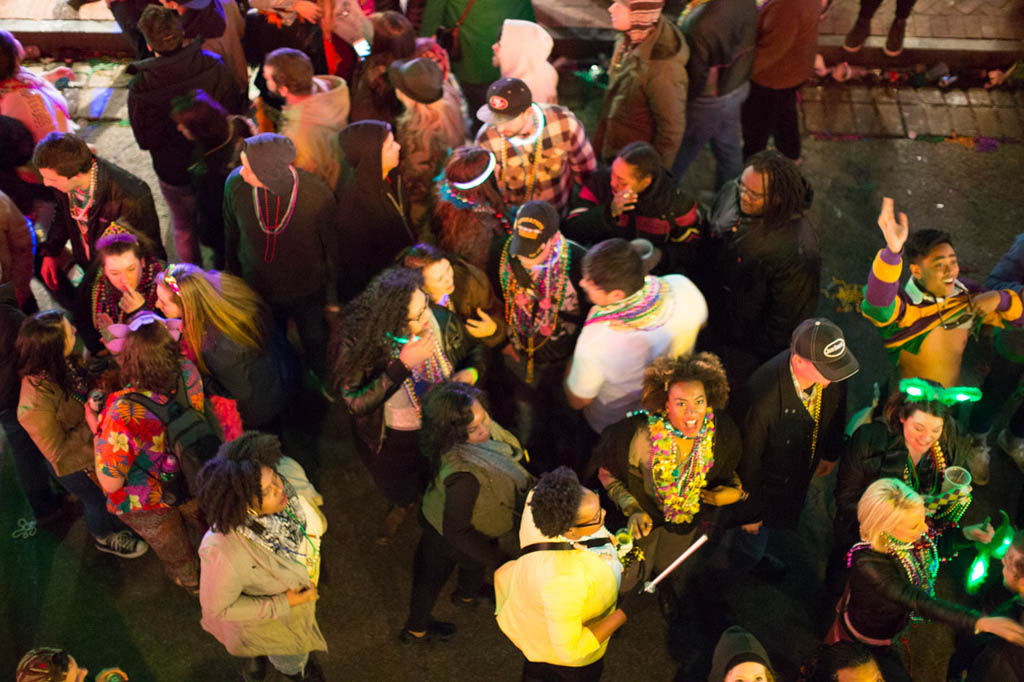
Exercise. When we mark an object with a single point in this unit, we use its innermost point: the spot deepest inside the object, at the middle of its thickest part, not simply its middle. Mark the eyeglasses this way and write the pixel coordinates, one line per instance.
(420, 314)
(749, 192)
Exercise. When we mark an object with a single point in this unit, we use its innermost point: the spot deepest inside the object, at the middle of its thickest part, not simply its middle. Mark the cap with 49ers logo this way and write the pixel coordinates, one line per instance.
(506, 99)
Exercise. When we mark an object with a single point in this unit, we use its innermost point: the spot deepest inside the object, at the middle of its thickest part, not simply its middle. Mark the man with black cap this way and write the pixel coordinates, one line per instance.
(538, 273)
(280, 225)
(792, 412)
(541, 149)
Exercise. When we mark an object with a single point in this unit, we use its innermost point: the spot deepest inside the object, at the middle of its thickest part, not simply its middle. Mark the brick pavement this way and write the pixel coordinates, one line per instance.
(882, 111)
(972, 19)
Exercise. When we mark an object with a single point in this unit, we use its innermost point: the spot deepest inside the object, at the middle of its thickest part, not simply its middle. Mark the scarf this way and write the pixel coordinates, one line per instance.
(282, 533)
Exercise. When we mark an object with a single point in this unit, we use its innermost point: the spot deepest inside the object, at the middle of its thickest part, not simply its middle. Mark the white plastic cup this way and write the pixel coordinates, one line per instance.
(955, 477)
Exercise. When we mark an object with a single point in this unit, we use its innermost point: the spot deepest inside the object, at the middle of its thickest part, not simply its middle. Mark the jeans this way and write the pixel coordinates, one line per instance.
(771, 113)
(290, 664)
(715, 120)
(98, 520)
(30, 466)
(181, 202)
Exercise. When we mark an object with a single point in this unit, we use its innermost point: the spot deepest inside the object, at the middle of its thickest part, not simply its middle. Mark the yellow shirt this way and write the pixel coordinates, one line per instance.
(544, 599)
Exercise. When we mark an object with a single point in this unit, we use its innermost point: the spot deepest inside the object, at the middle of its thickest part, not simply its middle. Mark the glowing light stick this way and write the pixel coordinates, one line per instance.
(651, 585)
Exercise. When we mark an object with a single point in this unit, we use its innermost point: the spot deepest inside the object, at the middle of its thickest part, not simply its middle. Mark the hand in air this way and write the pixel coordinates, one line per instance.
(895, 232)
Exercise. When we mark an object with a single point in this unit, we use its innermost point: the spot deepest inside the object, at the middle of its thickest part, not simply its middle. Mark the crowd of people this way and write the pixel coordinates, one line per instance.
(538, 337)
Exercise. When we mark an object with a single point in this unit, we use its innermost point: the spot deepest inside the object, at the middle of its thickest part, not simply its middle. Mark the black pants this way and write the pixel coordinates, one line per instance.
(769, 112)
(396, 468)
(434, 561)
(308, 314)
(548, 672)
(1003, 379)
(869, 7)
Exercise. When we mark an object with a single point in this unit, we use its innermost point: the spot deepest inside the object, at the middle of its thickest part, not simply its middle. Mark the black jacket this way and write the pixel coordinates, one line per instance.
(881, 598)
(156, 81)
(664, 214)
(999, 660)
(873, 453)
(722, 35)
(366, 392)
(777, 466)
(120, 196)
(757, 278)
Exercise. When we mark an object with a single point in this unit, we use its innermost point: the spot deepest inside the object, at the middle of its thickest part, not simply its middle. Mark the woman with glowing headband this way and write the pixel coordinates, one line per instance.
(469, 211)
(915, 442)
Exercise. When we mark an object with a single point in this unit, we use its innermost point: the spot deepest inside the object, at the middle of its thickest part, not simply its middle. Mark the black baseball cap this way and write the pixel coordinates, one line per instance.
(821, 342)
(536, 222)
(506, 99)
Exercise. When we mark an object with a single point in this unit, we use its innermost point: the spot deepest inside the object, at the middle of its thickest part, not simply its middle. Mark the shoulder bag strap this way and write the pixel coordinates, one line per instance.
(469, 6)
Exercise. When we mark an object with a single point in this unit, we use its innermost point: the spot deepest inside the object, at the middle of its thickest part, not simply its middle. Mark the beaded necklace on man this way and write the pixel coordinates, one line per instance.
(533, 309)
(280, 223)
(678, 484)
(531, 160)
(812, 404)
(644, 310)
(80, 202)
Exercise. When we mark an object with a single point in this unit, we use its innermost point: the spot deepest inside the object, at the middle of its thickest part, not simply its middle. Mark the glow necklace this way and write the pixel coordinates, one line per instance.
(280, 223)
(480, 179)
(532, 310)
(538, 119)
(678, 485)
(644, 310)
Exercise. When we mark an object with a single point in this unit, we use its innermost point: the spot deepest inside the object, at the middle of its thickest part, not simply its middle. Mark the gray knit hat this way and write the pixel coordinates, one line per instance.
(269, 156)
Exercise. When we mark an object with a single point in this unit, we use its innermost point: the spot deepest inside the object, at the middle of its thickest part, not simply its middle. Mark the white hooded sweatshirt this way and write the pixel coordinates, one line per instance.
(523, 50)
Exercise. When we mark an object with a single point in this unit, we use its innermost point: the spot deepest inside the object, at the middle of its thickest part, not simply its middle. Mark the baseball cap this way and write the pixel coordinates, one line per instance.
(822, 342)
(506, 99)
(420, 79)
(536, 223)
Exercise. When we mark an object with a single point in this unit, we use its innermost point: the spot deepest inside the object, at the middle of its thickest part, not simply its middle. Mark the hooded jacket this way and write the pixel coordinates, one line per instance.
(313, 125)
(646, 97)
(374, 226)
(156, 81)
(722, 35)
(735, 646)
(523, 53)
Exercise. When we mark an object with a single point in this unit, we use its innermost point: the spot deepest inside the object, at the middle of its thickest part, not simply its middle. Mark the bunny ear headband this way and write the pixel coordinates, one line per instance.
(119, 332)
(918, 390)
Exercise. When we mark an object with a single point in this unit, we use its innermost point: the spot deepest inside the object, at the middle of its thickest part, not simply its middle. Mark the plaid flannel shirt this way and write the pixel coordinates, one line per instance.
(565, 156)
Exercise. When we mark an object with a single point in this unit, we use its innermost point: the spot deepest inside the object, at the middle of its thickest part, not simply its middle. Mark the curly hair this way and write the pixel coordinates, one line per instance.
(447, 410)
(228, 484)
(898, 408)
(556, 501)
(381, 309)
(787, 192)
(151, 359)
(827, 660)
(665, 372)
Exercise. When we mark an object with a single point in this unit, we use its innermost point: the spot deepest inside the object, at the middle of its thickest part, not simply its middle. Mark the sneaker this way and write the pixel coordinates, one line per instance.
(978, 457)
(857, 35)
(894, 43)
(123, 544)
(437, 630)
(1012, 446)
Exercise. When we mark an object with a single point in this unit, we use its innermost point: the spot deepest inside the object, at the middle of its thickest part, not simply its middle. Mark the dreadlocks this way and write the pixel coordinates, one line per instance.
(787, 192)
(229, 483)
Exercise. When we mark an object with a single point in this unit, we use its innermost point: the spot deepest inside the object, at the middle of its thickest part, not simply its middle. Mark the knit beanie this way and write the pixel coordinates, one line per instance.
(270, 156)
(644, 15)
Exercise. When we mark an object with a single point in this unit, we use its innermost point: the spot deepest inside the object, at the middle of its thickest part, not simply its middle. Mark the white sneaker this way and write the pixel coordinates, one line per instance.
(978, 457)
(1012, 446)
(123, 544)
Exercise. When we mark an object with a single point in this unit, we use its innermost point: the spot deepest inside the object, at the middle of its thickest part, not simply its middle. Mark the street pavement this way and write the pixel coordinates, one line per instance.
(59, 590)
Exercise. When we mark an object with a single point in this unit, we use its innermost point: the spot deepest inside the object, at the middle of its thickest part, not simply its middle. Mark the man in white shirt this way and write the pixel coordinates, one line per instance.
(635, 319)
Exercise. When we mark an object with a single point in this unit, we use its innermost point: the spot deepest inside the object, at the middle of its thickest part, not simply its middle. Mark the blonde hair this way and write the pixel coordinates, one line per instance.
(216, 298)
(883, 505)
(428, 131)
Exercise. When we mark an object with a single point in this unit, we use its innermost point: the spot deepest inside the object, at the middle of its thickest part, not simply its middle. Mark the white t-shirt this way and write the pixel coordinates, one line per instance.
(608, 364)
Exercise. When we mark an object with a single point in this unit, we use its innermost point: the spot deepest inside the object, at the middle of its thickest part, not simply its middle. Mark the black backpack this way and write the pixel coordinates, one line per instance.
(189, 438)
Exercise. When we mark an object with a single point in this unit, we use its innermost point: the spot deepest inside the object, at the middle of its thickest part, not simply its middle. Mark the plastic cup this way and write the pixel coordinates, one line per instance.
(955, 477)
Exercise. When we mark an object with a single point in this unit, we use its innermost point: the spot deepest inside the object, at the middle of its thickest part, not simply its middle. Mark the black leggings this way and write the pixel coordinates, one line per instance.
(869, 7)
(435, 559)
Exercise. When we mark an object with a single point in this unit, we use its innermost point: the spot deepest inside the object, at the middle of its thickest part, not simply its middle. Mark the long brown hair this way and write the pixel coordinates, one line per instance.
(218, 299)
(151, 359)
(40, 349)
